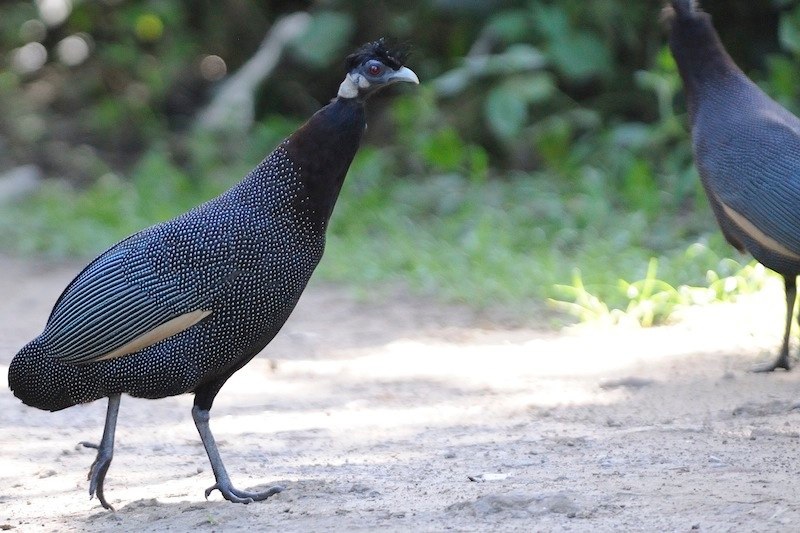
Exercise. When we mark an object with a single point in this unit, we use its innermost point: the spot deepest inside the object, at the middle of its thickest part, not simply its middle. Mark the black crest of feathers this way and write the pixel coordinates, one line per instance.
(389, 53)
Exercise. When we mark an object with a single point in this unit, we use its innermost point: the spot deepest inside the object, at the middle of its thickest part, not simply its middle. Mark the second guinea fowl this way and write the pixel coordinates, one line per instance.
(181, 306)
(747, 151)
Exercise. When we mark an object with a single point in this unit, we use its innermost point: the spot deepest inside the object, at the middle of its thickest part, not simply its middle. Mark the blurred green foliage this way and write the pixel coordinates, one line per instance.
(545, 155)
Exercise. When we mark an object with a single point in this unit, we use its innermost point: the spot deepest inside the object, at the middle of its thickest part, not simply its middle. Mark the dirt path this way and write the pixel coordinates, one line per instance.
(408, 416)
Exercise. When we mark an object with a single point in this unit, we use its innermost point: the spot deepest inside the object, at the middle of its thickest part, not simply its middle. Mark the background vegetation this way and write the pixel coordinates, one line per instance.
(546, 154)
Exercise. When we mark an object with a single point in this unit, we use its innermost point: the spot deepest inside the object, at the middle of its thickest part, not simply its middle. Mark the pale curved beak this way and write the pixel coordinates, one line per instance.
(404, 74)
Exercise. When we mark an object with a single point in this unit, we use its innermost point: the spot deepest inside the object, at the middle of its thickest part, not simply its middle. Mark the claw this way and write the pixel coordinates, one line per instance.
(97, 476)
(235, 495)
(105, 453)
(781, 362)
(97, 473)
(223, 484)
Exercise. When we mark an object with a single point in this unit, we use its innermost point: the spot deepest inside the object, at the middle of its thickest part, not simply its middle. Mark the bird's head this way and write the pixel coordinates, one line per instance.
(373, 66)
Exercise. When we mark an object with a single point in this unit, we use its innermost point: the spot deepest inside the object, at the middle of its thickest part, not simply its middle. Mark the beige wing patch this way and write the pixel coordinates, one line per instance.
(756, 234)
(157, 334)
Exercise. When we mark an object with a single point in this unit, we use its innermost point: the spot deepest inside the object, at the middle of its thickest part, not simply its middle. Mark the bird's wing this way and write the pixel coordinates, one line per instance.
(755, 176)
(128, 299)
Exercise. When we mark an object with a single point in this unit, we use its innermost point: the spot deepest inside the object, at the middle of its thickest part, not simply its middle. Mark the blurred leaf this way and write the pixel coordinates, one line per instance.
(783, 77)
(478, 163)
(634, 135)
(665, 62)
(581, 56)
(534, 88)
(551, 20)
(445, 150)
(578, 53)
(510, 25)
(325, 39)
(638, 186)
(553, 141)
(789, 32)
(516, 58)
(506, 111)
(453, 82)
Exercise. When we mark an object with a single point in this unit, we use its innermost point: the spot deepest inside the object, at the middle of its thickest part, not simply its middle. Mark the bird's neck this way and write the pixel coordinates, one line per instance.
(702, 60)
(350, 87)
(322, 150)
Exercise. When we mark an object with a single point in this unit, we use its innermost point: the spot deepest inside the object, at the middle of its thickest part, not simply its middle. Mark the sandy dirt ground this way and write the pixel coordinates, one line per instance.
(390, 413)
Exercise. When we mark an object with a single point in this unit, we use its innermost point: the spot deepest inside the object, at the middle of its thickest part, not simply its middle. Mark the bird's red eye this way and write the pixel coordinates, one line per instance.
(374, 70)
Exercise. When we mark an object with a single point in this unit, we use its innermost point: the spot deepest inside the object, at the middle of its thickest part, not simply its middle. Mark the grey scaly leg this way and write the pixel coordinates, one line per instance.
(223, 483)
(782, 361)
(105, 452)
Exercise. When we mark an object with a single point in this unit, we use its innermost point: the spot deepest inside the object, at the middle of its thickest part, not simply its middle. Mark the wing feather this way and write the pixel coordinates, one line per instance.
(754, 172)
(148, 287)
(103, 313)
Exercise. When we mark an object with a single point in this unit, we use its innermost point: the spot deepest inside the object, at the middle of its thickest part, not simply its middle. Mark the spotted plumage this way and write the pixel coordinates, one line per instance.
(244, 258)
(747, 151)
(180, 306)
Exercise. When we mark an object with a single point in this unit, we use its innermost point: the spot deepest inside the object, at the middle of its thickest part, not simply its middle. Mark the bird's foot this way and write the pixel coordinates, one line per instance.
(781, 362)
(232, 494)
(97, 473)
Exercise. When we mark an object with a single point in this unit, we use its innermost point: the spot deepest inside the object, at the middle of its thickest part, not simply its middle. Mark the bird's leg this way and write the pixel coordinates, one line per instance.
(105, 452)
(223, 484)
(782, 361)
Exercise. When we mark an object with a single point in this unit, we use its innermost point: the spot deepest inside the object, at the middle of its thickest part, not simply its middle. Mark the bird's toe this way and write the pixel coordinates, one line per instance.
(762, 368)
(232, 494)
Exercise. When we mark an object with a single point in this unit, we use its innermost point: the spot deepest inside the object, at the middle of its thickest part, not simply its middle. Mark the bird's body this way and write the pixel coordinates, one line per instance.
(180, 306)
(747, 151)
(241, 260)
